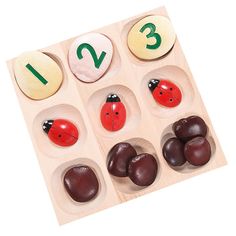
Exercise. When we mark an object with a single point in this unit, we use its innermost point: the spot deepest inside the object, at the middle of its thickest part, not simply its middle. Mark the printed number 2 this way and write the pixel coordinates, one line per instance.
(97, 61)
(151, 34)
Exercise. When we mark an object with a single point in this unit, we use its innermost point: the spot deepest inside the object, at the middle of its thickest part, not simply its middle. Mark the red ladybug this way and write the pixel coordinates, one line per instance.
(61, 132)
(113, 113)
(165, 92)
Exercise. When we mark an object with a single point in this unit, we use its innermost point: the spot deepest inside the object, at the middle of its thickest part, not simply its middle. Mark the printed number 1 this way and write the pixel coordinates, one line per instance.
(97, 61)
(36, 74)
(151, 34)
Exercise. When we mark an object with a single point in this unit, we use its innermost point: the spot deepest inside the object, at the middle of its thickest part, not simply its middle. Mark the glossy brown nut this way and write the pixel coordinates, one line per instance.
(143, 169)
(118, 159)
(197, 151)
(173, 152)
(189, 128)
(81, 183)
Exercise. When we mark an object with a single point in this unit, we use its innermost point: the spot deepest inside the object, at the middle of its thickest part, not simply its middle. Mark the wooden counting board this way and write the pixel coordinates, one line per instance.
(125, 83)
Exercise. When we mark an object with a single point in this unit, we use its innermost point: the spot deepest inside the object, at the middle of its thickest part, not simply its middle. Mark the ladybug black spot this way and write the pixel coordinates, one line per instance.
(171, 100)
(117, 113)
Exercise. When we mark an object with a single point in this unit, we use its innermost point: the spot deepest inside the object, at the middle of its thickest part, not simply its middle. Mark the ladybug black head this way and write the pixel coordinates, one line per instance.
(153, 84)
(47, 125)
(112, 98)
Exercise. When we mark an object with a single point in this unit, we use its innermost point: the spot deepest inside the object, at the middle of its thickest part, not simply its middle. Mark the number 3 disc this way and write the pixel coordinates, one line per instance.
(151, 37)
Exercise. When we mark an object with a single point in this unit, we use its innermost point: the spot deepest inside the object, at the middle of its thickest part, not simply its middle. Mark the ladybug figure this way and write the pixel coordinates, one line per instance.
(113, 113)
(165, 92)
(61, 132)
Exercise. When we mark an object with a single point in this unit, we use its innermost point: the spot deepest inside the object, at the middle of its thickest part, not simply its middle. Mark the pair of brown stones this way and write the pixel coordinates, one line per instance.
(190, 143)
(123, 161)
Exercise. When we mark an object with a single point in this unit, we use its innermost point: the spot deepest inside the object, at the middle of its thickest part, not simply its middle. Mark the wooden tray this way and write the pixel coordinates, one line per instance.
(147, 127)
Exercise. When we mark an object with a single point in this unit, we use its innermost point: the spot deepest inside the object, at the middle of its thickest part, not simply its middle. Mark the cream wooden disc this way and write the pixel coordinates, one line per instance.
(151, 37)
(37, 75)
(90, 56)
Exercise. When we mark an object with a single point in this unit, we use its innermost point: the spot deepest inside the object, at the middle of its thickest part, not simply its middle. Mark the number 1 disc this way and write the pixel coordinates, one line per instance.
(151, 37)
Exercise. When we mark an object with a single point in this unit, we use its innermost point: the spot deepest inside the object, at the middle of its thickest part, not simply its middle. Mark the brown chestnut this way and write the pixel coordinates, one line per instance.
(118, 159)
(189, 128)
(197, 151)
(173, 152)
(143, 169)
(81, 183)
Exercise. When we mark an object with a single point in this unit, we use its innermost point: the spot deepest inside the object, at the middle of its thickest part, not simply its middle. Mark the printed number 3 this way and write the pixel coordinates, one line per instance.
(151, 34)
(97, 61)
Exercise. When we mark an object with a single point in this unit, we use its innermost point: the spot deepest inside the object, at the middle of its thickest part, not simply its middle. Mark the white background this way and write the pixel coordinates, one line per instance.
(203, 205)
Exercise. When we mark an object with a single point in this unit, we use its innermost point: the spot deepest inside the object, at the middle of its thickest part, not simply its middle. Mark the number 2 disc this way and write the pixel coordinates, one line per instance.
(90, 56)
(151, 37)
